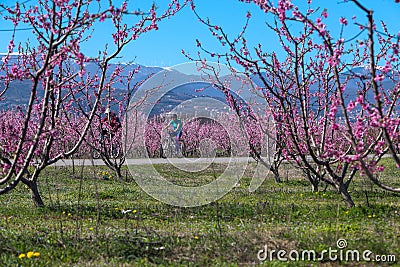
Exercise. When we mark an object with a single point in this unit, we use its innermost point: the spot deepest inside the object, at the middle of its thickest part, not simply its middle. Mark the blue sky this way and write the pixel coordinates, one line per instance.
(163, 47)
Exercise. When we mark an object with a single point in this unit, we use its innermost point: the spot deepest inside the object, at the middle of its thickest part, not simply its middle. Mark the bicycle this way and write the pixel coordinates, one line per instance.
(111, 149)
(169, 147)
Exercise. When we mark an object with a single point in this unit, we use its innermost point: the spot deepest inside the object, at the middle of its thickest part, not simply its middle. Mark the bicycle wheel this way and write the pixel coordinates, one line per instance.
(181, 149)
(167, 148)
(96, 154)
(115, 151)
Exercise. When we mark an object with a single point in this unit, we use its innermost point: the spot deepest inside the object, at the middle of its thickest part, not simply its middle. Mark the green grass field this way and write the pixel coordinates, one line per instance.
(89, 221)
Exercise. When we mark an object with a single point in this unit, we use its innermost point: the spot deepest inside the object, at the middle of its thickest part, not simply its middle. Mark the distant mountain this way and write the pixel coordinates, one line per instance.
(18, 92)
(360, 75)
(185, 98)
(355, 79)
(184, 92)
(188, 93)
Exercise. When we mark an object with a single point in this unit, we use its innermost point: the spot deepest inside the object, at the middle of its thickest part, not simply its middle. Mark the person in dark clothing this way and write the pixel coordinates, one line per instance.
(110, 123)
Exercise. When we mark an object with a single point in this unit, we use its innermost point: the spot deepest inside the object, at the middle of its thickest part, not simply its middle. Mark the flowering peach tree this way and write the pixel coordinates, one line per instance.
(63, 93)
(334, 97)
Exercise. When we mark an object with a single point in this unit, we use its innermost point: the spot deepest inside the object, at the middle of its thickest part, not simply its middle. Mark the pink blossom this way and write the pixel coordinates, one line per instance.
(380, 168)
(387, 67)
(351, 106)
(343, 21)
(379, 78)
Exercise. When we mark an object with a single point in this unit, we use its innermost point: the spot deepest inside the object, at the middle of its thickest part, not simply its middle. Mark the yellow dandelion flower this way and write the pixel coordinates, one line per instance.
(22, 255)
(30, 254)
(346, 212)
(63, 212)
(91, 228)
(36, 254)
(134, 211)
(69, 214)
(196, 237)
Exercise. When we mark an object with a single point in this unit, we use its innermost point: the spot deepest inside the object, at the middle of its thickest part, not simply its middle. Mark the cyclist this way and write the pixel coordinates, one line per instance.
(175, 131)
(110, 126)
(112, 123)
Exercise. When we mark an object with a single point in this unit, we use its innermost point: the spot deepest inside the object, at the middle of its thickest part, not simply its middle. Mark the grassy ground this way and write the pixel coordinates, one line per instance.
(89, 221)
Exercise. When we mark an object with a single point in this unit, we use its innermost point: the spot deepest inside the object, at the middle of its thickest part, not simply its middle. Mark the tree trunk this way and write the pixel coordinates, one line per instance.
(314, 182)
(346, 196)
(118, 172)
(314, 186)
(161, 152)
(277, 177)
(35, 193)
